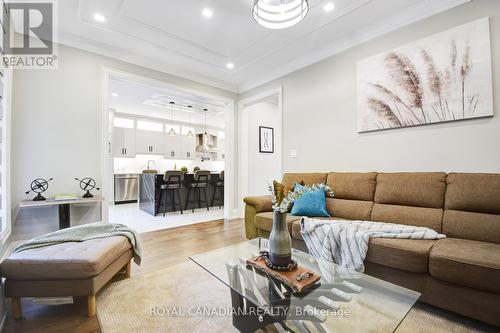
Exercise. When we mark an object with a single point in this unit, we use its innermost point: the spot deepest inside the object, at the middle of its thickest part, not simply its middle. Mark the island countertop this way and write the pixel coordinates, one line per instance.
(149, 192)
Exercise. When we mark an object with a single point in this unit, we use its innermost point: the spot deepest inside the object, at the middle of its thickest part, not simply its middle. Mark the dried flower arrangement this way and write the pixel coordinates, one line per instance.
(282, 202)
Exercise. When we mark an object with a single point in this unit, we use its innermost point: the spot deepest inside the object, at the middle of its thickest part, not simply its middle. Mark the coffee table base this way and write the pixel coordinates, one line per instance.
(249, 318)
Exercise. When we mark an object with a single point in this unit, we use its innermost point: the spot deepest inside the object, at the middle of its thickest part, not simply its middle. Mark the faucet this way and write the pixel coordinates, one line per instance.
(150, 162)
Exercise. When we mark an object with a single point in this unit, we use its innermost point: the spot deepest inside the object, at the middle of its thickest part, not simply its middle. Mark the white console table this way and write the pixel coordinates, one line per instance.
(63, 205)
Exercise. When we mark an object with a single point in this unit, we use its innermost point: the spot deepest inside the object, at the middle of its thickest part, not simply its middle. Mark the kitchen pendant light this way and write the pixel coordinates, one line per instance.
(279, 14)
(190, 133)
(172, 131)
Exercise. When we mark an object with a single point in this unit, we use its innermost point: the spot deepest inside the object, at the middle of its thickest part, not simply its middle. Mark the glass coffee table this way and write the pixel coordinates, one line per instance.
(342, 301)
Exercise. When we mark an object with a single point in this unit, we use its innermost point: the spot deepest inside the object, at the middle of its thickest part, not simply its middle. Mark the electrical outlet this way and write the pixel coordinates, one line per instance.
(293, 153)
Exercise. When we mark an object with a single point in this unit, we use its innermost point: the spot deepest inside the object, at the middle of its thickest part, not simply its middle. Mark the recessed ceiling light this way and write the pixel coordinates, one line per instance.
(328, 7)
(114, 94)
(207, 12)
(230, 65)
(99, 17)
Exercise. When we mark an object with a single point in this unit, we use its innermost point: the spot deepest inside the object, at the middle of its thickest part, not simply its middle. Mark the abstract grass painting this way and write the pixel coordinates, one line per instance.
(441, 78)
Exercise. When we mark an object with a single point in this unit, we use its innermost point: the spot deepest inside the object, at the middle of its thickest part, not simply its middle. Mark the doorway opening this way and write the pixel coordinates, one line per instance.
(167, 155)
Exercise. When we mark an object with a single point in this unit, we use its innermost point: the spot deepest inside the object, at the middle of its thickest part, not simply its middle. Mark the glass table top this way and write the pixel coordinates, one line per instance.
(342, 301)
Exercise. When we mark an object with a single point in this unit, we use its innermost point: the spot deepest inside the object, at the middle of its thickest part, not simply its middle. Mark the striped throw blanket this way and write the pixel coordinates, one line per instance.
(85, 232)
(345, 243)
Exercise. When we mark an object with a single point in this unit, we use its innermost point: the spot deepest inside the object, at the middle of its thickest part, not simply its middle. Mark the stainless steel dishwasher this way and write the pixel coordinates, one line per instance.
(126, 188)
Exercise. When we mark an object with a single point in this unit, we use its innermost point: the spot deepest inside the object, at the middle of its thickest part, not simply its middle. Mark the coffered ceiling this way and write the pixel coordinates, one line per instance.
(137, 99)
(175, 37)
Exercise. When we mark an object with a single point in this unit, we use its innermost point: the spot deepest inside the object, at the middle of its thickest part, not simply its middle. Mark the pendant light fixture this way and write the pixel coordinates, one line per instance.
(172, 131)
(279, 14)
(190, 133)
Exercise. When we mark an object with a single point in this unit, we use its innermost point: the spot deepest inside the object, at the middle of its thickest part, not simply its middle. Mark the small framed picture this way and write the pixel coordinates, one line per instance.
(266, 139)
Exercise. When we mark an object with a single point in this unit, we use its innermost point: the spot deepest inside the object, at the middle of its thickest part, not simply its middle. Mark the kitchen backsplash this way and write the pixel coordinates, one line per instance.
(139, 163)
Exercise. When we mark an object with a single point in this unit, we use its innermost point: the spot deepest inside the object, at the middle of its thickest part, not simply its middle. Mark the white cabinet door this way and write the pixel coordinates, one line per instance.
(123, 142)
(173, 146)
(118, 142)
(129, 142)
(149, 142)
(188, 150)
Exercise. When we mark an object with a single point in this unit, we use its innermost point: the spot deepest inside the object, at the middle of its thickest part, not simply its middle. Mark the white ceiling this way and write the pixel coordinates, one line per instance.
(172, 35)
(132, 98)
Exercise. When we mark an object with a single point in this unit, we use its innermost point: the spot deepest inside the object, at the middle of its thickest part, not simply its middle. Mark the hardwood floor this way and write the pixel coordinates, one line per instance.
(161, 249)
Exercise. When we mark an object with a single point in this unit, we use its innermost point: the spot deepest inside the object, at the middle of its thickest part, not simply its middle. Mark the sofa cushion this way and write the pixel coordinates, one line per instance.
(349, 209)
(72, 260)
(264, 221)
(410, 255)
(466, 262)
(422, 189)
(408, 215)
(289, 179)
(352, 186)
(472, 207)
(470, 192)
(474, 226)
(353, 195)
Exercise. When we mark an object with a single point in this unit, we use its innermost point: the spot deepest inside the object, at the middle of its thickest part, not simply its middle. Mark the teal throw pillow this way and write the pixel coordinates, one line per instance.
(311, 204)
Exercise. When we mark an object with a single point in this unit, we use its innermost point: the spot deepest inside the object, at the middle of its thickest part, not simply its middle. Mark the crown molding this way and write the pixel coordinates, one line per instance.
(418, 12)
(103, 49)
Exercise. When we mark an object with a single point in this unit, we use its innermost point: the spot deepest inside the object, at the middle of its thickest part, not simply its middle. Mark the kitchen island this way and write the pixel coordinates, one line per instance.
(149, 193)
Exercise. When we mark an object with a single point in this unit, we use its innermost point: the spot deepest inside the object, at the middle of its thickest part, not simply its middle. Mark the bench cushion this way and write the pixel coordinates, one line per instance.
(72, 260)
(466, 262)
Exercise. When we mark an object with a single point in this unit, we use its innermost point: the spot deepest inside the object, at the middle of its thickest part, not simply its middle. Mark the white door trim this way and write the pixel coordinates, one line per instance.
(230, 181)
(242, 147)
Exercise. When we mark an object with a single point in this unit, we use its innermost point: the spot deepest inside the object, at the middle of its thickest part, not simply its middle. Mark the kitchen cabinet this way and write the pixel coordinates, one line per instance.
(188, 147)
(173, 146)
(149, 142)
(220, 149)
(124, 142)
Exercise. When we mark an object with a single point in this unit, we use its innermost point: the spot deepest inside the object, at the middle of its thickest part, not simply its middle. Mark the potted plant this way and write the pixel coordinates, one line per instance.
(280, 242)
(184, 169)
(196, 169)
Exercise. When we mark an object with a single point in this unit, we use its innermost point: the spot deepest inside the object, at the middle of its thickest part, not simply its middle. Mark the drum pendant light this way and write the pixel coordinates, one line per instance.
(279, 14)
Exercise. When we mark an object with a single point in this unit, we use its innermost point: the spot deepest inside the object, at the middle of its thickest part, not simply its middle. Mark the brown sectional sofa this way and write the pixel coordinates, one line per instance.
(460, 273)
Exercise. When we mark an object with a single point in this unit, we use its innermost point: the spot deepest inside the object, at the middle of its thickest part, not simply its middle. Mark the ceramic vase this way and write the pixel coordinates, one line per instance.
(280, 242)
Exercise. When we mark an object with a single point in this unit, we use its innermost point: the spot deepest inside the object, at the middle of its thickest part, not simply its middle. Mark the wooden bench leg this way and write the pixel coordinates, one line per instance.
(16, 308)
(128, 269)
(91, 306)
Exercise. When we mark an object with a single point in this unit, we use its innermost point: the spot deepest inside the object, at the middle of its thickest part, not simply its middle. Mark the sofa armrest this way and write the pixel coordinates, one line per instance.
(262, 203)
(255, 205)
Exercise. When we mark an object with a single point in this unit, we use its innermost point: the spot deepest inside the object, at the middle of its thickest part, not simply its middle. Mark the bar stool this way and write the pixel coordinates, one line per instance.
(173, 183)
(200, 181)
(219, 185)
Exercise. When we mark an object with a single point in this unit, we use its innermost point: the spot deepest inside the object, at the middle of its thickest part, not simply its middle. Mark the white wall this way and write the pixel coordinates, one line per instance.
(56, 129)
(263, 168)
(319, 115)
(257, 170)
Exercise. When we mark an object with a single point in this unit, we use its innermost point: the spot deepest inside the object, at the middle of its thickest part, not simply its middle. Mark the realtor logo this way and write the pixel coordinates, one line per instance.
(29, 35)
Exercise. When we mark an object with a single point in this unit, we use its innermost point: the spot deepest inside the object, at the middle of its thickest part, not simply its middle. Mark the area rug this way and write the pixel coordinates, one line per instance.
(181, 298)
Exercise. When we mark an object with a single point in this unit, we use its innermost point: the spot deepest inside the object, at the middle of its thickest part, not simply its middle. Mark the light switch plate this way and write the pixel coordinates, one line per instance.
(293, 153)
